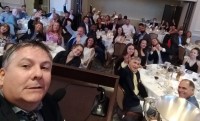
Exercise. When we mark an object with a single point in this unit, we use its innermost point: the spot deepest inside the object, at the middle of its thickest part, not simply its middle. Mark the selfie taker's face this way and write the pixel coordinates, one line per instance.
(27, 76)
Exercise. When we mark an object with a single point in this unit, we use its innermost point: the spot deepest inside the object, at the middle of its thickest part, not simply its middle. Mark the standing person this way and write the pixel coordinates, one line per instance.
(24, 81)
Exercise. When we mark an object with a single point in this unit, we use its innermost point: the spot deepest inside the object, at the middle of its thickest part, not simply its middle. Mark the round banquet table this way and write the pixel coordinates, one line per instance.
(163, 85)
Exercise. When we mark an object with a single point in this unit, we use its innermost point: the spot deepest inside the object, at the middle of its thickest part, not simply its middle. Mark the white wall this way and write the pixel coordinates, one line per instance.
(135, 9)
(58, 5)
(195, 22)
(12, 3)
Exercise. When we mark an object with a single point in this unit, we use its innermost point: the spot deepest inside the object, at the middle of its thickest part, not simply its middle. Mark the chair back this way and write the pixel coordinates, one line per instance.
(120, 97)
(153, 35)
(197, 42)
(89, 64)
(118, 49)
(181, 53)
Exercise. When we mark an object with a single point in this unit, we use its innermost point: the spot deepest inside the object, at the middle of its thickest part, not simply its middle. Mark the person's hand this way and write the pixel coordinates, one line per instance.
(153, 49)
(158, 47)
(69, 23)
(78, 39)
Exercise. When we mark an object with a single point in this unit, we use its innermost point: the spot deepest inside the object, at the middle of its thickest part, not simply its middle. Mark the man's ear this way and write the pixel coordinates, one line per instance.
(2, 75)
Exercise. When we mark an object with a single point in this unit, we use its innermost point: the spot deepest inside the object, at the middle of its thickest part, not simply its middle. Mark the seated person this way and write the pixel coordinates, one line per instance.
(5, 36)
(55, 18)
(7, 17)
(5, 48)
(36, 35)
(34, 19)
(192, 63)
(154, 22)
(186, 90)
(158, 54)
(78, 37)
(188, 37)
(141, 34)
(128, 52)
(88, 52)
(54, 34)
(23, 13)
(119, 36)
(25, 78)
(50, 15)
(129, 29)
(70, 58)
(142, 52)
(129, 80)
(99, 25)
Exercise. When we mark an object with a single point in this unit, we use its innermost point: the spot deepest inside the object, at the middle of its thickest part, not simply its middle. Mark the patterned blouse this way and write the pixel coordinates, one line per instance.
(55, 37)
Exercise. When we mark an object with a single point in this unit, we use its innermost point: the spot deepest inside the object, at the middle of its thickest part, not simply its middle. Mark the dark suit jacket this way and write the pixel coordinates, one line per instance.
(146, 37)
(109, 26)
(27, 36)
(84, 26)
(154, 56)
(61, 58)
(48, 15)
(50, 110)
(126, 82)
(175, 43)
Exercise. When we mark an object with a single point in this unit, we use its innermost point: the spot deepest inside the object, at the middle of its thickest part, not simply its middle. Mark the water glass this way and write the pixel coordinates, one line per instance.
(182, 68)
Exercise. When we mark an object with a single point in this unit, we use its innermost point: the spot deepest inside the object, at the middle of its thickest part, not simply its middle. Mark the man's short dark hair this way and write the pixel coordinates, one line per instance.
(15, 48)
(191, 84)
(141, 24)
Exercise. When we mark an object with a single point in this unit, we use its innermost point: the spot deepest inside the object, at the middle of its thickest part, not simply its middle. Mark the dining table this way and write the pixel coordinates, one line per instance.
(54, 48)
(161, 33)
(158, 81)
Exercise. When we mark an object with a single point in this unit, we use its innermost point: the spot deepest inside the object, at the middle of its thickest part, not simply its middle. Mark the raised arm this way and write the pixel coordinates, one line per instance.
(69, 28)
(64, 6)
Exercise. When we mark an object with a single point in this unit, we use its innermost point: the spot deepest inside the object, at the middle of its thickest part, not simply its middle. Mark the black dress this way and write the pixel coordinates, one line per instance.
(61, 58)
(193, 68)
(143, 60)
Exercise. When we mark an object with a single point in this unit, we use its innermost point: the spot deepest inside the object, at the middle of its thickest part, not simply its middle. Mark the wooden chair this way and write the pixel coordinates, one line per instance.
(181, 54)
(118, 50)
(197, 42)
(120, 97)
(153, 35)
(119, 100)
(89, 64)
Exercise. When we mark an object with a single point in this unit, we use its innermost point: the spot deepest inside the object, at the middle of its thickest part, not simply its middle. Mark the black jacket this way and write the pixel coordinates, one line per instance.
(61, 58)
(154, 56)
(50, 110)
(126, 82)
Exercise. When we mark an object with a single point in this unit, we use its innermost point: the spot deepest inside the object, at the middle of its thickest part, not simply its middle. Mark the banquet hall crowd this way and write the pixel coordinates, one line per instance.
(82, 44)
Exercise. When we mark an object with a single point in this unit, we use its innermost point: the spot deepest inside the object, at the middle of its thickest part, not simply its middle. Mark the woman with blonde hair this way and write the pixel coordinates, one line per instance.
(54, 34)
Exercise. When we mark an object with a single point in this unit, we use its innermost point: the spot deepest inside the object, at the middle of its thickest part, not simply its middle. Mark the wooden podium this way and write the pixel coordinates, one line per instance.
(81, 89)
